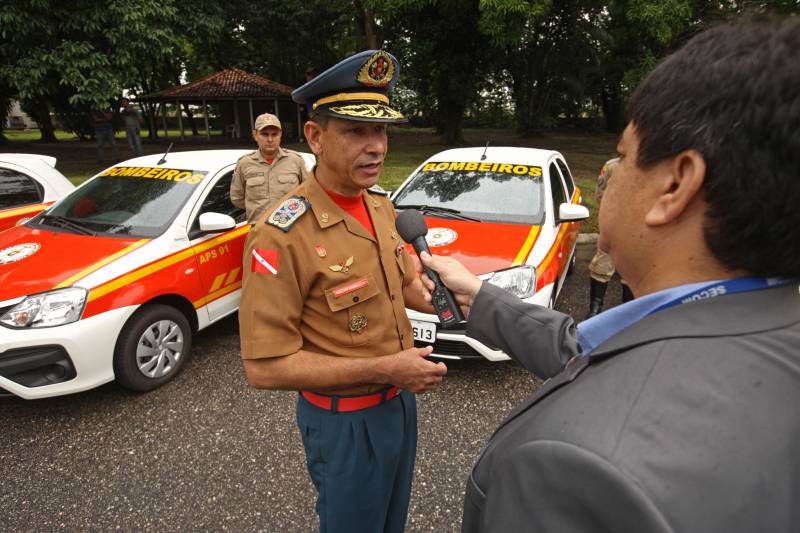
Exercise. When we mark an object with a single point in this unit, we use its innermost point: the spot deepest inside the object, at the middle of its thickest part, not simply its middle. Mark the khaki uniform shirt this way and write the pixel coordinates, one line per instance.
(602, 179)
(602, 266)
(337, 289)
(257, 185)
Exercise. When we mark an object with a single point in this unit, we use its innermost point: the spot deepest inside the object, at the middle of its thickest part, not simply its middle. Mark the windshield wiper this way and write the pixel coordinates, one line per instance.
(68, 223)
(435, 209)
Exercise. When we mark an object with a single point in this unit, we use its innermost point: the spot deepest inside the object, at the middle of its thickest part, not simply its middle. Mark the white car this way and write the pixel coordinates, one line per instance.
(510, 215)
(112, 281)
(29, 183)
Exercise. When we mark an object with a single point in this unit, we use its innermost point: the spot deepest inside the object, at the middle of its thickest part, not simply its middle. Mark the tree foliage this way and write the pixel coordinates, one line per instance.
(538, 63)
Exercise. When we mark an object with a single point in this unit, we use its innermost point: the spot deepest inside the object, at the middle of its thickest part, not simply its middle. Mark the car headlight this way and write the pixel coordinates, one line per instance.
(520, 281)
(54, 308)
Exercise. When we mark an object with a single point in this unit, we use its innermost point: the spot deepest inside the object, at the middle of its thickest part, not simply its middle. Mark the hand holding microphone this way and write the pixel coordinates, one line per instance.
(412, 228)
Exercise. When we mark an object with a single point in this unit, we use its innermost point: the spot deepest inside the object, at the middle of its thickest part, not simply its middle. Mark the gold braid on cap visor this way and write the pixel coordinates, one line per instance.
(350, 97)
(367, 111)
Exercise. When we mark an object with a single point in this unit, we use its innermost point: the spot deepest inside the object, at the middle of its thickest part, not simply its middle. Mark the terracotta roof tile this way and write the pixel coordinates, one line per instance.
(228, 83)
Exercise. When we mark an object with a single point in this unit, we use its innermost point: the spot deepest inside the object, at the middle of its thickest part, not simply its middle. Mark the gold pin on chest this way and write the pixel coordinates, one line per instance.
(343, 266)
(358, 323)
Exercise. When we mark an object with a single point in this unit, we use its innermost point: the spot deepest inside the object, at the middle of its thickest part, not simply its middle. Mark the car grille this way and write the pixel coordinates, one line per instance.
(451, 348)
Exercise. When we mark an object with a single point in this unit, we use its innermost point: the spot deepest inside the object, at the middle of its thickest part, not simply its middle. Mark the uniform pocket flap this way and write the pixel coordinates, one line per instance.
(351, 292)
(288, 178)
(256, 180)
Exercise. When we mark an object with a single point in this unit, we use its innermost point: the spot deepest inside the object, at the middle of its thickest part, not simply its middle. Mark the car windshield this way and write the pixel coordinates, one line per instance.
(129, 201)
(493, 192)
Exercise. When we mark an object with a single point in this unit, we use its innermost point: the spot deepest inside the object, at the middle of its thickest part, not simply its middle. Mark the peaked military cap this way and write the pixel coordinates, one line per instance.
(356, 88)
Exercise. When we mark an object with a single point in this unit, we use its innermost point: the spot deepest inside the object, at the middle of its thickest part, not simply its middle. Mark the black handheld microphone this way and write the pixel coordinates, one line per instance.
(411, 227)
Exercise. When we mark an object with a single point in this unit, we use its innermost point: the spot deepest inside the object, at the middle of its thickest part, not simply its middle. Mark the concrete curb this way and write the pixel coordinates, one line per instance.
(587, 238)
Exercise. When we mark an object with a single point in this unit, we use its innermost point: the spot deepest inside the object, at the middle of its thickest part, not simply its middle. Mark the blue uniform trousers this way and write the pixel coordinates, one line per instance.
(361, 463)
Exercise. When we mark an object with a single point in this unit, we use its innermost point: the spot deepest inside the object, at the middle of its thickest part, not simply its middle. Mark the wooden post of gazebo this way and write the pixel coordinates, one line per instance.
(205, 118)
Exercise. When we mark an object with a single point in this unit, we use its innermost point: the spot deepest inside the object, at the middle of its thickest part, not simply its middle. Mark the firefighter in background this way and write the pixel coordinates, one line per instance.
(601, 269)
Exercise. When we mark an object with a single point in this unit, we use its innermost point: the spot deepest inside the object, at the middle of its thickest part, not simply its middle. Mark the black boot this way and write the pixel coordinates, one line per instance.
(597, 291)
(627, 294)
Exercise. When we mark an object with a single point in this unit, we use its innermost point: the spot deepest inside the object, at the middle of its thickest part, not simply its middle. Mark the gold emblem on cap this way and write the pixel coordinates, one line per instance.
(368, 111)
(377, 71)
(358, 323)
(343, 266)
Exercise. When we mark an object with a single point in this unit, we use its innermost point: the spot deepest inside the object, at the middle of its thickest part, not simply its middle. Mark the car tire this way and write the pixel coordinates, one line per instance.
(152, 348)
(572, 261)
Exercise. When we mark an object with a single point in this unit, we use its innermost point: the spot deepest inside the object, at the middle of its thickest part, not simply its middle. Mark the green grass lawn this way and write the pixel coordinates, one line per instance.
(408, 147)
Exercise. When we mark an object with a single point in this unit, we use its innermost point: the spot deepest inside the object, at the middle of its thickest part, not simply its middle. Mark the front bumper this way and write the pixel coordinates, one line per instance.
(454, 343)
(45, 362)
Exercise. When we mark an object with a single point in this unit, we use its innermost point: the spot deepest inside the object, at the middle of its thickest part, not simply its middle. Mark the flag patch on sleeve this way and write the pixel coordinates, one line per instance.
(264, 261)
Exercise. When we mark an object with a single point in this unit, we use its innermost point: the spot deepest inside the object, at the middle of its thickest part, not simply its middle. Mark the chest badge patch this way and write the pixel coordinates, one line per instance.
(358, 323)
(288, 212)
(321, 250)
(343, 266)
(18, 252)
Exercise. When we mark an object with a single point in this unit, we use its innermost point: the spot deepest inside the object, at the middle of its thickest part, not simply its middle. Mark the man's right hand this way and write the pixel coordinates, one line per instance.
(464, 284)
(409, 370)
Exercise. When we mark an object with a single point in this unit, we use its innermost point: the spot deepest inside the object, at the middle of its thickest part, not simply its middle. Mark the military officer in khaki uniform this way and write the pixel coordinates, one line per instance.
(601, 268)
(327, 280)
(261, 178)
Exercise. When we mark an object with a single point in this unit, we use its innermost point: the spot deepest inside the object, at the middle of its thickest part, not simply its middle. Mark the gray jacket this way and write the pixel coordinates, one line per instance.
(685, 421)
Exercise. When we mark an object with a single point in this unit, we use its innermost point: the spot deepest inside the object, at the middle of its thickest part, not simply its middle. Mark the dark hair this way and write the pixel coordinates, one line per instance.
(733, 94)
(321, 119)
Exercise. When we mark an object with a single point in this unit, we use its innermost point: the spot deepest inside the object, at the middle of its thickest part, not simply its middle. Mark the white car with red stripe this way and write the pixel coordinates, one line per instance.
(510, 215)
(29, 183)
(112, 281)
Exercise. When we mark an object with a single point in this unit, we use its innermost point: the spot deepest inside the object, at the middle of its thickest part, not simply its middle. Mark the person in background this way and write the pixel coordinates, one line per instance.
(104, 133)
(601, 268)
(133, 124)
(265, 175)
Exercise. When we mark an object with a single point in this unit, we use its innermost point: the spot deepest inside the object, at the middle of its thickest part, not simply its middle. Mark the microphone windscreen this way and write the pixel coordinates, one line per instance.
(410, 225)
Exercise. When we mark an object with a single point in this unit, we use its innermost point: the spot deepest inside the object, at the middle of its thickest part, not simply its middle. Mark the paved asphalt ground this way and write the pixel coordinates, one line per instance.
(207, 453)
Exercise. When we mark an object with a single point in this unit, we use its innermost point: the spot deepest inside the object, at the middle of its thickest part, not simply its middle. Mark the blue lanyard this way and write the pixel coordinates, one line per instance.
(721, 288)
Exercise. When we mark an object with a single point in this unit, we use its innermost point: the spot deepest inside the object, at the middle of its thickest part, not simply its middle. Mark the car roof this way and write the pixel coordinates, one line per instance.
(198, 159)
(29, 158)
(497, 154)
(190, 160)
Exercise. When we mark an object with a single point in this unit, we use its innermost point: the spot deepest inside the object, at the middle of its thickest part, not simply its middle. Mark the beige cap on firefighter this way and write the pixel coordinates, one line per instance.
(266, 119)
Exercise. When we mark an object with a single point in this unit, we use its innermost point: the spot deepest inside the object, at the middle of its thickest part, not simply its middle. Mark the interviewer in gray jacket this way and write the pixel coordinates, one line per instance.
(677, 411)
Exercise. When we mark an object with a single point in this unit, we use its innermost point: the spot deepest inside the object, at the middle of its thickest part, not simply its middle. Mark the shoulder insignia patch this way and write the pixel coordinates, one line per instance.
(377, 189)
(288, 212)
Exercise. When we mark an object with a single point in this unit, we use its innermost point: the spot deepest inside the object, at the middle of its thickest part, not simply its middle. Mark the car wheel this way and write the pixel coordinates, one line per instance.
(572, 262)
(152, 348)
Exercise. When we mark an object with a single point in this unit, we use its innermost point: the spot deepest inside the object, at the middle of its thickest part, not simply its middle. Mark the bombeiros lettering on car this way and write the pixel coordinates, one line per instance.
(170, 174)
(472, 166)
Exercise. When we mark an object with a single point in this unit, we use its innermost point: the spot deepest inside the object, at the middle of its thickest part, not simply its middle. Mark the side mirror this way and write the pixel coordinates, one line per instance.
(216, 222)
(572, 212)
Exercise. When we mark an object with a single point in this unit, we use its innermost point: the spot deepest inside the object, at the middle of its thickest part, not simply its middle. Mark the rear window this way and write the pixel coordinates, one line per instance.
(17, 189)
(494, 192)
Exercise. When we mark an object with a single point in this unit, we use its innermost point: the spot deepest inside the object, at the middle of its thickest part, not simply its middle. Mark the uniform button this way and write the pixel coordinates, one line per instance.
(355, 298)
(392, 296)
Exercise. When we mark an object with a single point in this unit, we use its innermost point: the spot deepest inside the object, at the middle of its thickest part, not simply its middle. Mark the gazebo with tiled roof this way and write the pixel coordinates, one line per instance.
(230, 86)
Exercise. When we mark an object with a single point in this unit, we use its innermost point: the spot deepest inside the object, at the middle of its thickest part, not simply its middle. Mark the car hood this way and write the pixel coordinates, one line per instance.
(34, 260)
(481, 246)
